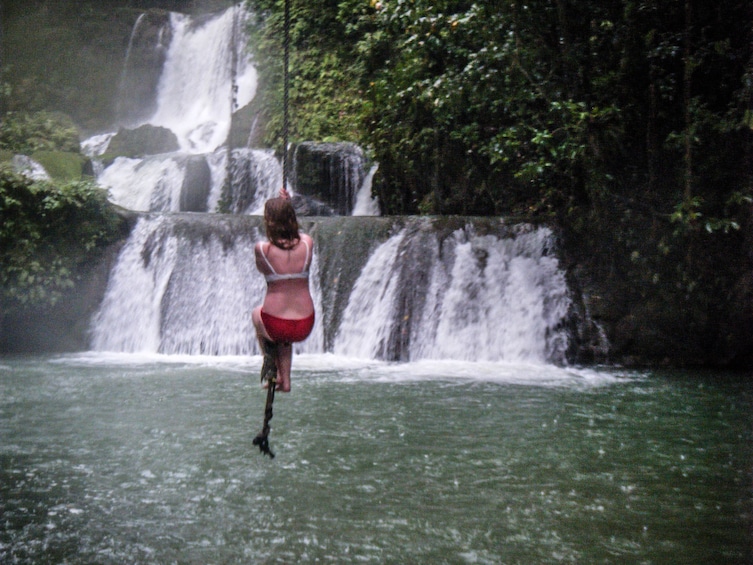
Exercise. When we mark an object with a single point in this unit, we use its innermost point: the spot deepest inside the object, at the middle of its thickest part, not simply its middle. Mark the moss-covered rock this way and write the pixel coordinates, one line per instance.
(60, 165)
(144, 140)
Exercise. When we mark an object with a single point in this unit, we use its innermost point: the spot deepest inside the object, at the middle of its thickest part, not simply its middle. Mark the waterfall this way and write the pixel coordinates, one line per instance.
(149, 184)
(367, 322)
(194, 92)
(195, 88)
(256, 177)
(164, 183)
(334, 174)
(188, 75)
(391, 289)
(126, 63)
(185, 284)
(366, 204)
(424, 289)
(467, 297)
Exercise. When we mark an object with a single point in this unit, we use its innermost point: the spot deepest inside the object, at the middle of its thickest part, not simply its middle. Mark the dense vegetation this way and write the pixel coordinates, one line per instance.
(629, 123)
(58, 76)
(491, 107)
(48, 231)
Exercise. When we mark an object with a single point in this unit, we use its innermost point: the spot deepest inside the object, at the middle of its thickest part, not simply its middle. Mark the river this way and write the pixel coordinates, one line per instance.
(125, 458)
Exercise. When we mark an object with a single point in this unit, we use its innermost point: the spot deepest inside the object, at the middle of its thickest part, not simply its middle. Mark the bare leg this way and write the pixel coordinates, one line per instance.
(284, 363)
(284, 355)
(261, 331)
(268, 351)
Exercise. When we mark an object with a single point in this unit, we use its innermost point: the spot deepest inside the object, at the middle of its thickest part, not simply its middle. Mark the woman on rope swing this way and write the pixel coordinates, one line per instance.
(287, 314)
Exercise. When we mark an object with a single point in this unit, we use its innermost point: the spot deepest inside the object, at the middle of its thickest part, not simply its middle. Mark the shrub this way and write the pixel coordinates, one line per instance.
(46, 232)
(26, 133)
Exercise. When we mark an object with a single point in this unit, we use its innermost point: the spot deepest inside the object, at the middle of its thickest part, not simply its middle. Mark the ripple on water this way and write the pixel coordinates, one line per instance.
(113, 461)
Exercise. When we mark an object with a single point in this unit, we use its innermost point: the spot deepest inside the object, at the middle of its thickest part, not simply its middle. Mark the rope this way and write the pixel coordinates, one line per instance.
(269, 367)
(229, 163)
(268, 373)
(262, 438)
(285, 95)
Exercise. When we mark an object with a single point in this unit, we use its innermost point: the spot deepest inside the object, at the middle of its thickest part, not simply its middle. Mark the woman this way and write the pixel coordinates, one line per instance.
(287, 314)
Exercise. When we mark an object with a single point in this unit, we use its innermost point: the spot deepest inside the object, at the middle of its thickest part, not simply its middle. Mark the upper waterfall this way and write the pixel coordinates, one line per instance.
(195, 91)
(186, 82)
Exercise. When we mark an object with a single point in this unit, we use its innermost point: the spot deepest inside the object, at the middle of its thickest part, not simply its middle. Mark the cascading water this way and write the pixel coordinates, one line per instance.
(256, 177)
(191, 90)
(185, 284)
(160, 183)
(334, 174)
(366, 204)
(194, 93)
(467, 297)
(188, 283)
(126, 66)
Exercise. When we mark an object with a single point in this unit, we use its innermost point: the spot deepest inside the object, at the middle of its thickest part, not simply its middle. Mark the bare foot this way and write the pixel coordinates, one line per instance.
(283, 385)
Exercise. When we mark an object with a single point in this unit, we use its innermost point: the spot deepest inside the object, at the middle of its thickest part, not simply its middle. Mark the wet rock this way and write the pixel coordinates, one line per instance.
(144, 140)
(330, 173)
(196, 185)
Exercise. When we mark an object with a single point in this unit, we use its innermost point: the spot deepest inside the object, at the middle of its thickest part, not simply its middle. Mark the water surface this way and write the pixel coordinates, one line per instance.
(128, 459)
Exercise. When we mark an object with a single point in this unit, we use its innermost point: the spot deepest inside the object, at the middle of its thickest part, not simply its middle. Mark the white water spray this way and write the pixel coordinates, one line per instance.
(367, 320)
(185, 286)
(29, 167)
(488, 298)
(366, 205)
(129, 317)
(195, 89)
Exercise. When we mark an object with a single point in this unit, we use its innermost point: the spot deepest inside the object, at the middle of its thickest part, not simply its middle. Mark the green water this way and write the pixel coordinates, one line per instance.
(150, 460)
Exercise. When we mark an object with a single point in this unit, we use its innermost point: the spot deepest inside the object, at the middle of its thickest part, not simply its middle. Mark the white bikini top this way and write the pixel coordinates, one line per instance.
(275, 276)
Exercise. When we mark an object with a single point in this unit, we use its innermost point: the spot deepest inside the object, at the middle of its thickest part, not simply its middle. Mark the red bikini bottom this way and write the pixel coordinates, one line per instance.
(287, 331)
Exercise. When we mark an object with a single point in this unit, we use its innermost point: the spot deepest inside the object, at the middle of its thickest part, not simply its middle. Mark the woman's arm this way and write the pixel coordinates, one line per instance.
(261, 264)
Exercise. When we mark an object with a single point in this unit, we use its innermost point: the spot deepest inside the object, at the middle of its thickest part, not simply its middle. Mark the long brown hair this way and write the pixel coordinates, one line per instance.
(281, 223)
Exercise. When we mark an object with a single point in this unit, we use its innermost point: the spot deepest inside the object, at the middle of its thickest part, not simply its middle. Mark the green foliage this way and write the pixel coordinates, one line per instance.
(545, 107)
(325, 102)
(27, 133)
(46, 232)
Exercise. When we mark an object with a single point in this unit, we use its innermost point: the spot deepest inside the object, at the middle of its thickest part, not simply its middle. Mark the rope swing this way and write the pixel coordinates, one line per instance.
(268, 373)
(269, 349)
(285, 94)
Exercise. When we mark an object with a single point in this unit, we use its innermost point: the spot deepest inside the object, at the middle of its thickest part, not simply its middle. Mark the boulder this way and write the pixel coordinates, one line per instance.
(144, 140)
(196, 185)
(331, 173)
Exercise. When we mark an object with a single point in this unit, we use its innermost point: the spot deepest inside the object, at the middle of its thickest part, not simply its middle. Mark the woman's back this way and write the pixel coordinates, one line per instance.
(286, 271)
